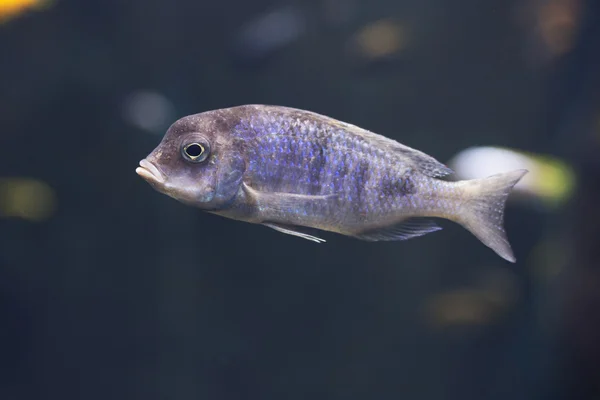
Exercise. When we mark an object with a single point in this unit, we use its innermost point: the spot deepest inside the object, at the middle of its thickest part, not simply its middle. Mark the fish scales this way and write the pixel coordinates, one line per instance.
(290, 154)
(292, 169)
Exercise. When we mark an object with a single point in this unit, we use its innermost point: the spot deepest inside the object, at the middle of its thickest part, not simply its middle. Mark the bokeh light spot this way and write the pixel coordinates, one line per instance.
(380, 39)
(26, 198)
(148, 110)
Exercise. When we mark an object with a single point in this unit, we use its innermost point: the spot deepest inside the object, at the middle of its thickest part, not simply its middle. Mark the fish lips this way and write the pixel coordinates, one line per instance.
(183, 193)
(150, 173)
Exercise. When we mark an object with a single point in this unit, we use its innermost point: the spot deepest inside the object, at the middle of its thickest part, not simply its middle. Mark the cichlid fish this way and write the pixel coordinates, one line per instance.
(291, 170)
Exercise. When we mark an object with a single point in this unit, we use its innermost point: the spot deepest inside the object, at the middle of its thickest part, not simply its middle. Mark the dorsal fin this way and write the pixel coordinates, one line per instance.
(422, 162)
(404, 230)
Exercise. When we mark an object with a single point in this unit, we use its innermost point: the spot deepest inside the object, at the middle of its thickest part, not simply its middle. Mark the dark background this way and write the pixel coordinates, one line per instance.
(109, 290)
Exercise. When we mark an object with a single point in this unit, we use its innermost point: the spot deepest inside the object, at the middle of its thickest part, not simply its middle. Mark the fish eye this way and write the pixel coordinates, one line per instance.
(195, 152)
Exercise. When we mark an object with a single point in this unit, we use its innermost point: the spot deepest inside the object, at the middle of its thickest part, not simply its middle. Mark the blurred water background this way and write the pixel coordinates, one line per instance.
(109, 290)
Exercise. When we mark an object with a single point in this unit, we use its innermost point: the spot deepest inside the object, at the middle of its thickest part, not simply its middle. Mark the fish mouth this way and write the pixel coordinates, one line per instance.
(149, 172)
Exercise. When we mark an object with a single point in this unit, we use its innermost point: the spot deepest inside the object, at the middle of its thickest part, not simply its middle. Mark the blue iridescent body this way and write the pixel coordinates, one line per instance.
(357, 183)
(292, 169)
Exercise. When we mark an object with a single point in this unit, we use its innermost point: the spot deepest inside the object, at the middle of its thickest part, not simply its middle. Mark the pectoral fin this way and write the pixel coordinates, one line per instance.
(284, 202)
(277, 205)
(293, 230)
(404, 230)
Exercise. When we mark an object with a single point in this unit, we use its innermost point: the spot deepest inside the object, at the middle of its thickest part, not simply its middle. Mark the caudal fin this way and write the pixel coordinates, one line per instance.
(483, 213)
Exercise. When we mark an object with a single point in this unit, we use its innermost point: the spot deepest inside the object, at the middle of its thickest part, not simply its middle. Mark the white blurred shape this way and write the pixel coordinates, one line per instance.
(481, 162)
(548, 178)
(148, 110)
(271, 31)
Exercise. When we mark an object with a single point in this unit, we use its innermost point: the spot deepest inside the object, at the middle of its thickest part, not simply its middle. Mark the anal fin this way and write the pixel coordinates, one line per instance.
(407, 229)
(293, 230)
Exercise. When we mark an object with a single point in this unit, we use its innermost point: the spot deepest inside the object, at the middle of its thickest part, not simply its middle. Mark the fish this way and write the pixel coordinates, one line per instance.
(302, 173)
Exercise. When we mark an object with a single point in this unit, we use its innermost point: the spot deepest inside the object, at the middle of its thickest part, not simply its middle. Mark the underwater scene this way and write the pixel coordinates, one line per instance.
(285, 199)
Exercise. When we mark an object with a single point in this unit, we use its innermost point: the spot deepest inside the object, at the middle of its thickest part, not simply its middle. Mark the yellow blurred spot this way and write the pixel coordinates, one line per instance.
(12, 8)
(26, 198)
(555, 179)
(381, 38)
(557, 21)
(459, 307)
(473, 306)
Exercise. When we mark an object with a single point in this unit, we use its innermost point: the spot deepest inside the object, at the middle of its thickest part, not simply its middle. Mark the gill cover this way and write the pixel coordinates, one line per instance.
(229, 178)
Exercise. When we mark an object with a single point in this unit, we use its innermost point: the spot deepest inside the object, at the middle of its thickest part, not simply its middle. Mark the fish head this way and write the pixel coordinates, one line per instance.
(197, 162)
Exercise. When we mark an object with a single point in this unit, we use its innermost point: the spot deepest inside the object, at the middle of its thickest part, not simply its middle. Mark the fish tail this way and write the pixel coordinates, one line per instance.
(483, 211)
